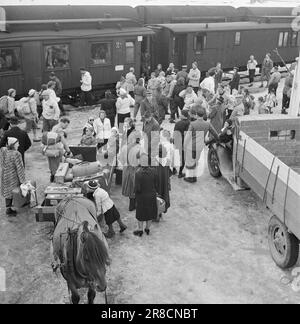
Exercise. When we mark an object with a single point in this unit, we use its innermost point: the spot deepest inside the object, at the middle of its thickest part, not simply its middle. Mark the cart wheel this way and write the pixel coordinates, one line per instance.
(283, 245)
(213, 163)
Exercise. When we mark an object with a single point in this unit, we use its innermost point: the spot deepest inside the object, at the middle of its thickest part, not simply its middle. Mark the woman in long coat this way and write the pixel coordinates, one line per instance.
(163, 177)
(12, 172)
(129, 160)
(145, 193)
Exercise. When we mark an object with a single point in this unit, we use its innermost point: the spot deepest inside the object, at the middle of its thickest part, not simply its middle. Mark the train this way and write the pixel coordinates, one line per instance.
(108, 40)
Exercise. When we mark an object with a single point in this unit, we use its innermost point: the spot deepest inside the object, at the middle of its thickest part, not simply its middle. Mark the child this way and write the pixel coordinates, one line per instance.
(262, 109)
(88, 138)
(105, 206)
(271, 100)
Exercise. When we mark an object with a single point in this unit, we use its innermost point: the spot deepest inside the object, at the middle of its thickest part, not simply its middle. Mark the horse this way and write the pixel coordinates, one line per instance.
(79, 248)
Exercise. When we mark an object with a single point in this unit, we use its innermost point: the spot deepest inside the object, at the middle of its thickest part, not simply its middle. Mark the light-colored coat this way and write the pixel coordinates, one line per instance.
(102, 129)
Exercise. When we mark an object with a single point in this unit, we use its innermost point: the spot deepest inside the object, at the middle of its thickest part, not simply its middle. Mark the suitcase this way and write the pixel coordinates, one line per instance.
(86, 169)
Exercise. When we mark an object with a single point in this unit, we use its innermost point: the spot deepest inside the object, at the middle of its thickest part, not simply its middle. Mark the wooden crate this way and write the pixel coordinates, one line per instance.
(61, 173)
(44, 213)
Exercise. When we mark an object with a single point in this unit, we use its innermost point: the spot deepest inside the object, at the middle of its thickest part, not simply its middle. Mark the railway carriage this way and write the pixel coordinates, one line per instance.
(32, 48)
(36, 40)
(230, 43)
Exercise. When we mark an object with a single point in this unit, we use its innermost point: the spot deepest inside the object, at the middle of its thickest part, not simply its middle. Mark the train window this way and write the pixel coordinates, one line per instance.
(294, 39)
(10, 59)
(129, 52)
(200, 42)
(57, 56)
(101, 53)
(237, 39)
(283, 39)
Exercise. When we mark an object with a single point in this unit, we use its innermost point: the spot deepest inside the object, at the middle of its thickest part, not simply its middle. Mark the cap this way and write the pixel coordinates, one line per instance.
(31, 92)
(93, 184)
(184, 66)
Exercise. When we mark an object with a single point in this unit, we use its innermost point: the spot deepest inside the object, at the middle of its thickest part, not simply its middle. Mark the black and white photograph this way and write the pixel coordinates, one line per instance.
(149, 154)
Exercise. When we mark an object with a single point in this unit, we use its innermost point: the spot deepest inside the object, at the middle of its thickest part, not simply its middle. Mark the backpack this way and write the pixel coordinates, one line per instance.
(23, 106)
(4, 105)
(50, 138)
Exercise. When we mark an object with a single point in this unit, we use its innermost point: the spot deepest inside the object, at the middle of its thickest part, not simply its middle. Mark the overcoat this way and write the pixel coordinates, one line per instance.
(12, 171)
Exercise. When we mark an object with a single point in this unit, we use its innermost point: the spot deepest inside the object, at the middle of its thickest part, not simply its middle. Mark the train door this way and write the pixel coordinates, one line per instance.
(56, 57)
(11, 68)
(32, 66)
(179, 50)
(199, 47)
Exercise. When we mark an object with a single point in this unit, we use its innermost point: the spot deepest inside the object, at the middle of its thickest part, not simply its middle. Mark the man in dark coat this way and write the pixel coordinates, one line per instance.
(22, 136)
(266, 69)
(235, 82)
(180, 129)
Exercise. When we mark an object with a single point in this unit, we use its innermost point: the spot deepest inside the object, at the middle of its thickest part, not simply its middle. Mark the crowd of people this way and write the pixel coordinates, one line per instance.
(200, 108)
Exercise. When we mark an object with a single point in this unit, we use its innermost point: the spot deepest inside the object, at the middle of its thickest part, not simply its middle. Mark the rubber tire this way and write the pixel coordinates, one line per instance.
(290, 257)
(212, 171)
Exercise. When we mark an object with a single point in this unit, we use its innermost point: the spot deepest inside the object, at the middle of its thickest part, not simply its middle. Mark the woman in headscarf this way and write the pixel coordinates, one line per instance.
(129, 159)
(146, 195)
(106, 207)
(12, 172)
(88, 124)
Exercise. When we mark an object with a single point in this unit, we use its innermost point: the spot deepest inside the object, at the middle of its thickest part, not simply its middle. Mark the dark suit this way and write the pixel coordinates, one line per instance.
(21, 136)
(235, 82)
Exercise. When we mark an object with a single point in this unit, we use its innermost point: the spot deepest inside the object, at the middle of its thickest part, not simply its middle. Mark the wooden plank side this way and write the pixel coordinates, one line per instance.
(255, 172)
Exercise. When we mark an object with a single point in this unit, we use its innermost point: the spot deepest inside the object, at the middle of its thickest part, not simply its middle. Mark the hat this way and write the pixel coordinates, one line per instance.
(93, 184)
(46, 93)
(236, 68)
(123, 91)
(185, 113)
(12, 141)
(184, 66)
(31, 92)
(10, 91)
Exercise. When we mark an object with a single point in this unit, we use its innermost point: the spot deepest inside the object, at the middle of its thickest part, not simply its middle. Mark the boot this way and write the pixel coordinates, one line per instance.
(123, 227)
(190, 179)
(10, 212)
(131, 204)
(52, 178)
(110, 233)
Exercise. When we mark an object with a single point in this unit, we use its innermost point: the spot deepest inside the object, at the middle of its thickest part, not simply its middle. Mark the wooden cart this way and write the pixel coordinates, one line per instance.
(266, 158)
